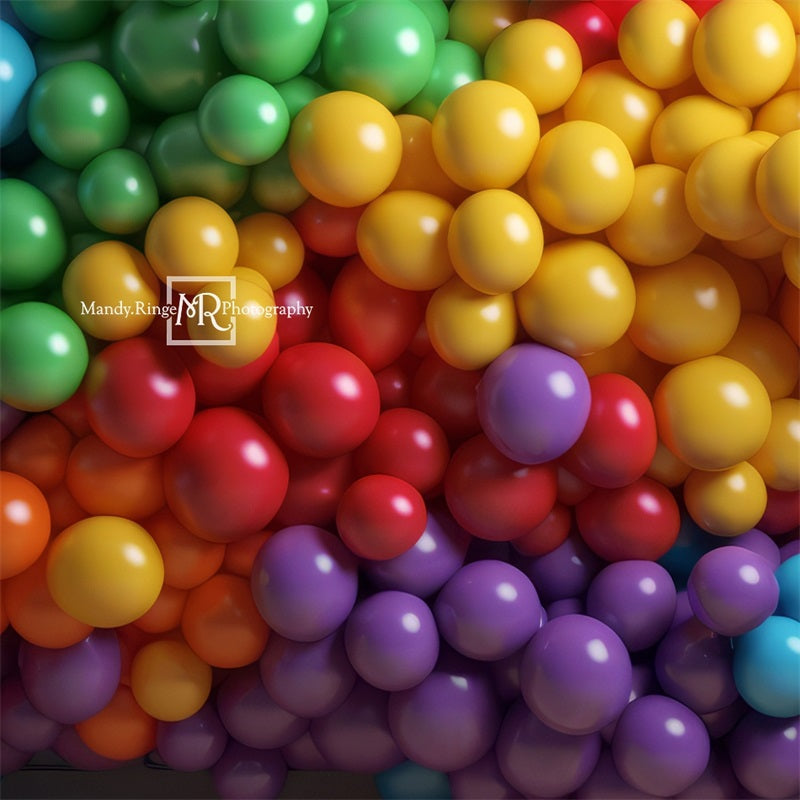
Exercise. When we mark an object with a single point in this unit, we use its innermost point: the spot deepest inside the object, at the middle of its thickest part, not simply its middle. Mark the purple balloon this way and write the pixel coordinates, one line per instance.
(721, 723)
(450, 719)
(576, 674)
(12, 759)
(605, 783)
(71, 748)
(564, 572)
(488, 610)
(643, 682)
(732, 590)
(539, 761)
(481, 780)
(22, 726)
(392, 641)
(695, 666)
(505, 676)
(426, 567)
(356, 737)
(716, 783)
(194, 743)
(765, 755)
(683, 609)
(533, 403)
(660, 746)
(73, 683)
(307, 679)
(759, 542)
(636, 599)
(304, 582)
(304, 754)
(790, 549)
(244, 772)
(251, 716)
(568, 605)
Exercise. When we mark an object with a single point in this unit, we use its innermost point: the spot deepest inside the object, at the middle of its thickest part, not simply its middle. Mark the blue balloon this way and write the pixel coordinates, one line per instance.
(766, 666)
(17, 73)
(788, 576)
(411, 781)
(692, 543)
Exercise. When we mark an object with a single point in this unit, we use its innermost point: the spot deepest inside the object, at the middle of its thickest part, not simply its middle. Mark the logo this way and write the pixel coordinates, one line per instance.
(212, 313)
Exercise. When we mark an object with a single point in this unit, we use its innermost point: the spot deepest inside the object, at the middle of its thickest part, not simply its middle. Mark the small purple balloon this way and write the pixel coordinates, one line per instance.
(71, 748)
(643, 682)
(12, 759)
(695, 666)
(636, 599)
(22, 726)
(481, 780)
(194, 743)
(533, 403)
(716, 783)
(450, 719)
(790, 549)
(73, 683)
(765, 755)
(732, 590)
(426, 567)
(683, 609)
(564, 572)
(721, 723)
(304, 582)
(488, 610)
(576, 674)
(251, 716)
(568, 605)
(539, 761)
(660, 746)
(356, 737)
(243, 773)
(307, 679)
(392, 641)
(304, 754)
(605, 783)
(759, 542)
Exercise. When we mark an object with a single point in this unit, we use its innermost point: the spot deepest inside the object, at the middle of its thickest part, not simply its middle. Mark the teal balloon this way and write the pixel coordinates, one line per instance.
(17, 74)
(33, 243)
(183, 165)
(61, 186)
(692, 543)
(62, 20)
(43, 356)
(788, 577)
(76, 111)
(438, 15)
(454, 64)
(411, 781)
(117, 191)
(382, 49)
(298, 92)
(272, 40)
(167, 57)
(96, 47)
(243, 119)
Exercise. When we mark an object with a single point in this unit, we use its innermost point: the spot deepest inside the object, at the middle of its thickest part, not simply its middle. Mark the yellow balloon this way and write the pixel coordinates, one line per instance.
(667, 468)
(104, 571)
(169, 681)
(778, 184)
(779, 115)
(728, 502)
(790, 257)
(467, 328)
(712, 412)
(778, 460)
(270, 244)
(769, 242)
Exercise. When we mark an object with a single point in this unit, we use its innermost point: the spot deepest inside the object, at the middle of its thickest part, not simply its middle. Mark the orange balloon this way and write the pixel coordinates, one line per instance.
(24, 524)
(72, 413)
(188, 559)
(122, 730)
(165, 614)
(221, 622)
(240, 555)
(64, 510)
(38, 450)
(34, 614)
(105, 482)
(131, 640)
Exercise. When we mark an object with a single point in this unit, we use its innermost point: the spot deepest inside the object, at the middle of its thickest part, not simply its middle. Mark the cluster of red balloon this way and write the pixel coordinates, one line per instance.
(403, 387)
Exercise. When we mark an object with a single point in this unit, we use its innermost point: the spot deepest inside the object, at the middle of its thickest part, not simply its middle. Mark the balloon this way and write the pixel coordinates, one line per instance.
(564, 572)
(16, 80)
(194, 743)
(243, 772)
(71, 748)
(788, 577)
(25, 524)
(270, 244)
(91, 669)
(480, 780)
(24, 728)
(410, 781)
(38, 450)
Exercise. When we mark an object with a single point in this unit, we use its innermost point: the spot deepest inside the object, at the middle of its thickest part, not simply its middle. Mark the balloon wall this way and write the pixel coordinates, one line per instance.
(406, 388)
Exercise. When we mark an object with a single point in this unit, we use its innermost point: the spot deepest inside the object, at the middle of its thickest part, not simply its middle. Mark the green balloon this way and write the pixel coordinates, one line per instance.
(454, 65)
(382, 49)
(61, 186)
(183, 165)
(438, 16)
(96, 47)
(167, 57)
(274, 185)
(79, 241)
(272, 40)
(139, 137)
(43, 354)
(62, 20)
(117, 191)
(76, 111)
(32, 239)
(243, 120)
(298, 92)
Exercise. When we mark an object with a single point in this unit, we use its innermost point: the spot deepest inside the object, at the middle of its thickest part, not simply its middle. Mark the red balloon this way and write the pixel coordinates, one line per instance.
(321, 400)
(494, 497)
(449, 395)
(782, 513)
(329, 230)
(638, 521)
(381, 517)
(590, 27)
(226, 478)
(408, 444)
(571, 488)
(619, 439)
(394, 382)
(139, 396)
(615, 10)
(307, 289)
(369, 317)
(552, 531)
